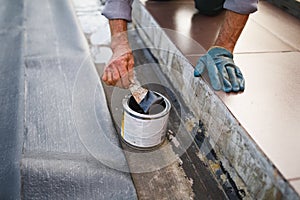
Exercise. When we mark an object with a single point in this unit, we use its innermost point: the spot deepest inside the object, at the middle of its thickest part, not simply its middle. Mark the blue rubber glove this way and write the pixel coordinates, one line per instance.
(222, 71)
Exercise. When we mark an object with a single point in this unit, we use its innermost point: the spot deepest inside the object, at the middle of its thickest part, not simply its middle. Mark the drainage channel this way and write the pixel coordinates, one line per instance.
(185, 165)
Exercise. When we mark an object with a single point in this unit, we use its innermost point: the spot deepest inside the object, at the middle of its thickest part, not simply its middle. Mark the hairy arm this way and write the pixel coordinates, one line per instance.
(119, 70)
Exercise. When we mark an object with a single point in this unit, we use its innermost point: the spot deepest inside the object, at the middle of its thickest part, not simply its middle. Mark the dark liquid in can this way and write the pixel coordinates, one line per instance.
(154, 109)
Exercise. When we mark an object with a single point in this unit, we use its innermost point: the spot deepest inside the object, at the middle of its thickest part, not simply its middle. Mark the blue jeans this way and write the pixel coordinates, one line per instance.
(209, 7)
(213, 7)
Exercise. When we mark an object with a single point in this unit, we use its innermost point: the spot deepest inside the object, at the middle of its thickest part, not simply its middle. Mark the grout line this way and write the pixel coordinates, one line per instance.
(265, 52)
(275, 35)
(258, 52)
(294, 179)
(200, 54)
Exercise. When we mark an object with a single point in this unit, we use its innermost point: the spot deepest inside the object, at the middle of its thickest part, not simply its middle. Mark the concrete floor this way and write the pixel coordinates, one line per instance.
(268, 53)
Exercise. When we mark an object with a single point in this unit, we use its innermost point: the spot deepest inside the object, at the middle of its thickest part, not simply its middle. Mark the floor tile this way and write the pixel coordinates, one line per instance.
(285, 26)
(256, 38)
(296, 185)
(185, 19)
(269, 107)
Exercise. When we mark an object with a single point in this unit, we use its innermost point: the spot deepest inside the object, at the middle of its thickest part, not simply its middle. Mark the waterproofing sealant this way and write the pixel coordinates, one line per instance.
(57, 163)
(11, 96)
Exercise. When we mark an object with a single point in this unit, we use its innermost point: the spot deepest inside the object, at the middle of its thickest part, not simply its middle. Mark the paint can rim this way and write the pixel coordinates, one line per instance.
(133, 113)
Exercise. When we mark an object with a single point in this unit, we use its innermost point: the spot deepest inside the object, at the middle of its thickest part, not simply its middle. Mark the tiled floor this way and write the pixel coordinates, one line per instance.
(268, 53)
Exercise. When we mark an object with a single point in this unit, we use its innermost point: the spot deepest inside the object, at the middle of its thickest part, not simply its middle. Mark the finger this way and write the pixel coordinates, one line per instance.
(109, 75)
(130, 63)
(232, 78)
(227, 87)
(213, 73)
(122, 67)
(123, 74)
(126, 71)
(131, 76)
(116, 78)
(131, 69)
(240, 78)
(199, 68)
(125, 82)
(104, 77)
(224, 76)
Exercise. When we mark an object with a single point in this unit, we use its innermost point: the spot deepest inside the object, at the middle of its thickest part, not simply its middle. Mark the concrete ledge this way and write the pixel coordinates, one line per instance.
(247, 165)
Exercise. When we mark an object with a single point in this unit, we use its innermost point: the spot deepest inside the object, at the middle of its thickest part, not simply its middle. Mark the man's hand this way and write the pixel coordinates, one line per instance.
(222, 71)
(119, 71)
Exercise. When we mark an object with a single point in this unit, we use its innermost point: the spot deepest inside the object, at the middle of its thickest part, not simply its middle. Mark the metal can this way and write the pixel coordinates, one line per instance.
(144, 131)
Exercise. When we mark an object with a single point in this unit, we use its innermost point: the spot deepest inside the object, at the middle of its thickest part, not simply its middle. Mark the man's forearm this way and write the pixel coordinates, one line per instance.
(231, 29)
(119, 70)
(118, 28)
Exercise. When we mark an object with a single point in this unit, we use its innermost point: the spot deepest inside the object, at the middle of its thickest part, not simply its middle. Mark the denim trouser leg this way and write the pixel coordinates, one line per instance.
(209, 7)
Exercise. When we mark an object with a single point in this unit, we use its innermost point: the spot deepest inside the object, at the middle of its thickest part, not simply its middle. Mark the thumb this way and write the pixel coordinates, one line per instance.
(199, 68)
(213, 73)
(240, 78)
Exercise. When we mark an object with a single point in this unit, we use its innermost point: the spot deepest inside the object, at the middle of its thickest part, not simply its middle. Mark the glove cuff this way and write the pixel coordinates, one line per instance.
(217, 51)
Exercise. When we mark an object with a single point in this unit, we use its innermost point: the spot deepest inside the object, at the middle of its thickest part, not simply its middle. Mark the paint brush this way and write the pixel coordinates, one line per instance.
(145, 98)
